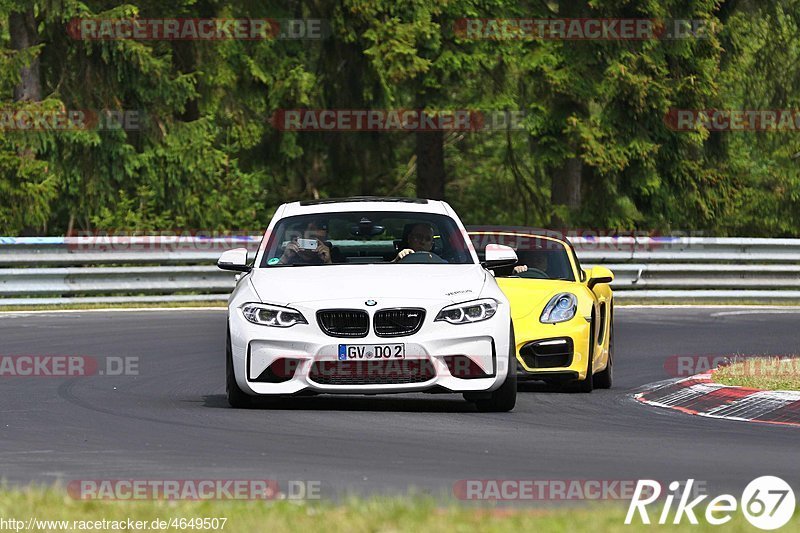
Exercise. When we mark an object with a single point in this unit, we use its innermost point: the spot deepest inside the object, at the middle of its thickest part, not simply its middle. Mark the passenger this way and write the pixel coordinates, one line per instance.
(324, 254)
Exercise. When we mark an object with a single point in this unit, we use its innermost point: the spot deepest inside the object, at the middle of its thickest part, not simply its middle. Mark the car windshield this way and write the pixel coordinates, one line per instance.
(544, 258)
(366, 238)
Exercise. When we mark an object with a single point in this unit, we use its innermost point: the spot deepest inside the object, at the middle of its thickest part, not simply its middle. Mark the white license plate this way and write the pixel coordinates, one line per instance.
(355, 352)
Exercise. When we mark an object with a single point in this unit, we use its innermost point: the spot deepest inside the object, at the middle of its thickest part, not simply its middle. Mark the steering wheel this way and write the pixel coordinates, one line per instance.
(538, 274)
(421, 258)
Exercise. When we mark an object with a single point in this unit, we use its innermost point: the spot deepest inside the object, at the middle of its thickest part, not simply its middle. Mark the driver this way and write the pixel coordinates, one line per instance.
(419, 239)
(538, 261)
(322, 255)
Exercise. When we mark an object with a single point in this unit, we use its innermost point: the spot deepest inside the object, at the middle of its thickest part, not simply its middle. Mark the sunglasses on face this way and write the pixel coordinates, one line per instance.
(421, 238)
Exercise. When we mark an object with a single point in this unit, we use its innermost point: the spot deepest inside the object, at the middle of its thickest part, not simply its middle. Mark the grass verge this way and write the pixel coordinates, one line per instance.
(766, 373)
(354, 515)
(700, 302)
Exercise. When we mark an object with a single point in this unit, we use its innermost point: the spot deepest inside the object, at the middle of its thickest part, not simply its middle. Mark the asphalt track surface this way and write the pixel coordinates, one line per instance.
(172, 421)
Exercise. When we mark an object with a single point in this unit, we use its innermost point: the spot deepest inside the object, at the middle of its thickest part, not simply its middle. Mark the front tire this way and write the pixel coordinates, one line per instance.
(237, 398)
(586, 384)
(505, 398)
(604, 379)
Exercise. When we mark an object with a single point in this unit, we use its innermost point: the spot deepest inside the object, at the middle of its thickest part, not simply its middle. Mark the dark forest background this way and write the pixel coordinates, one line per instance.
(594, 150)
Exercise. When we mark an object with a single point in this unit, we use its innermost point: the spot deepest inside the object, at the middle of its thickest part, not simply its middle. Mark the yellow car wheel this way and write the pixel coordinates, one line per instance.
(605, 378)
(587, 383)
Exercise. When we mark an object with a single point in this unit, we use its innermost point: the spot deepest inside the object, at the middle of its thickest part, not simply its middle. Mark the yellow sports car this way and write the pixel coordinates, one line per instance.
(563, 315)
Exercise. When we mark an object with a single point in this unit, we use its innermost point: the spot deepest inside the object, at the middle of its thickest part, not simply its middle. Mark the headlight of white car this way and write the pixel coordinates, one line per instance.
(560, 308)
(272, 315)
(468, 312)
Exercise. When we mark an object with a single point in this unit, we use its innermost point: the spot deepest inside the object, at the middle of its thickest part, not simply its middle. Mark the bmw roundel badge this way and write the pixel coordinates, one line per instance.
(371, 303)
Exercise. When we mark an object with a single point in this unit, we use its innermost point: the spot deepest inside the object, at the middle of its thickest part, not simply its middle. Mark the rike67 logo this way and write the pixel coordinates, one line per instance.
(767, 502)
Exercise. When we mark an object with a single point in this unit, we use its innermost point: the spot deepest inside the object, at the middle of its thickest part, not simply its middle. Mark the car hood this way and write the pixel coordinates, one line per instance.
(308, 284)
(528, 296)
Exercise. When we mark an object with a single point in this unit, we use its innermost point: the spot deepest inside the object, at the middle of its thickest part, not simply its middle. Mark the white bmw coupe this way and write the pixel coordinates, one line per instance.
(369, 295)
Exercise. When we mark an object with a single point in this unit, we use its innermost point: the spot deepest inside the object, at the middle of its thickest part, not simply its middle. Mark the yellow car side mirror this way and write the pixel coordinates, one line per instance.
(599, 274)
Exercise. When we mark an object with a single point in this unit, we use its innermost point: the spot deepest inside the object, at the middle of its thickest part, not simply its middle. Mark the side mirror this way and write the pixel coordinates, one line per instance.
(599, 275)
(235, 260)
(498, 256)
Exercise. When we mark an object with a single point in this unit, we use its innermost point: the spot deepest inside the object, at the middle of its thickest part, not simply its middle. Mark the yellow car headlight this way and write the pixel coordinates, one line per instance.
(560, 308)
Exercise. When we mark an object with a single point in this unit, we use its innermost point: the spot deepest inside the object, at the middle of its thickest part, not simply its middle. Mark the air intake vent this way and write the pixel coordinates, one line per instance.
(344, 322)
(548, 353)
(374, 372)
(398, 322)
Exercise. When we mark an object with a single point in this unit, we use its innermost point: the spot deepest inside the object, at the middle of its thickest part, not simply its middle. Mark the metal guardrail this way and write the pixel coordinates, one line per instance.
(58, 270)
(167, 279)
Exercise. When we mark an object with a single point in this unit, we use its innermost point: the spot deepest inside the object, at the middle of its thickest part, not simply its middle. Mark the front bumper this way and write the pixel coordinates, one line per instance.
(282, 361)
(552, 351)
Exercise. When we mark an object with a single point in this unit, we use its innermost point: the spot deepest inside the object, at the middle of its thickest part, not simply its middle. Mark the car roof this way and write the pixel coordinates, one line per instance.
(364, 203)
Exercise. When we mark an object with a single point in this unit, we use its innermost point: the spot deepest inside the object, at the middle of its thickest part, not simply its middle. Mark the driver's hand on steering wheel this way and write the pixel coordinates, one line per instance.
(404, 252)
(520, 268)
